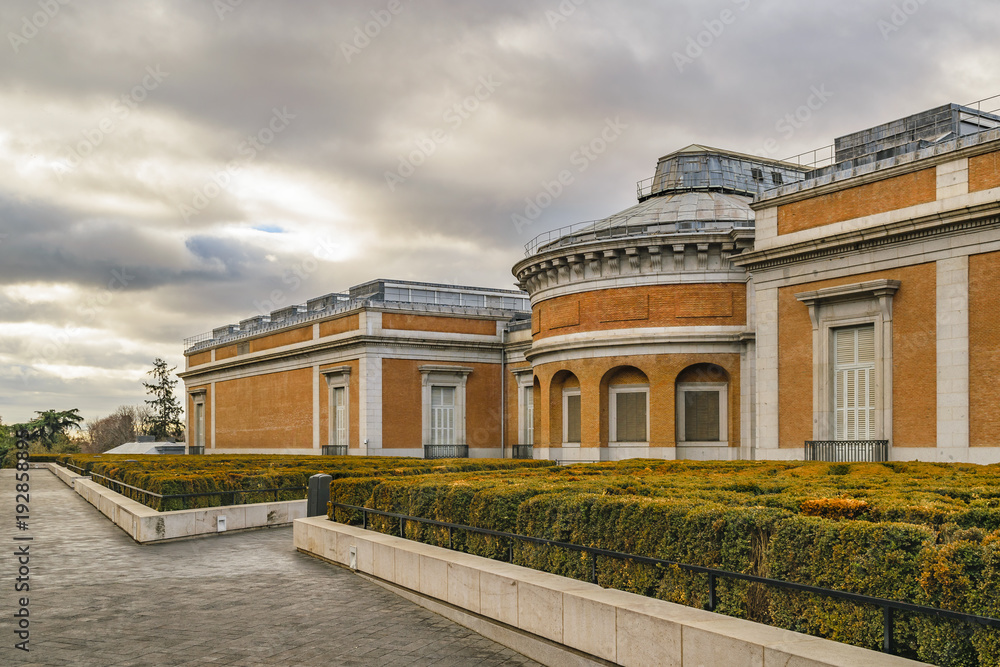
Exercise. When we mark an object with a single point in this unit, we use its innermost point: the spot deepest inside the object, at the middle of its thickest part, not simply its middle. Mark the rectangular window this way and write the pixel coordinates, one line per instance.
(528, 431)
(854, 383)
(630, 416)
(701, 416)
(442, 415)
(199, 424)
(340, 416)
(572, 423)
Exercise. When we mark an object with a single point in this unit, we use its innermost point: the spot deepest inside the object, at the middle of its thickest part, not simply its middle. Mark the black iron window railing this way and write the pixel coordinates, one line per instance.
(847, 451)
(334, 450)
(446, 451)
(888, 607)
(522, 451)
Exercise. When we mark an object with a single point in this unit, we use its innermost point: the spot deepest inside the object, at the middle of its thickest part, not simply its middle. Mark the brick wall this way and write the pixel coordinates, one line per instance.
(648, 306)
(984, 172)
(886, 195)
(914, 358)
(225, 352)
(199, 359)
(272, 410)
(440, 324)
(298, 335)
(984, 352)
(339, 325)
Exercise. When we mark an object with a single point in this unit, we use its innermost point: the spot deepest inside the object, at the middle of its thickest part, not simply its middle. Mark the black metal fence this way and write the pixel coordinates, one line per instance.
(196, 449)
(888, 607)
(235, 496)
(522, 451)
(334, 450)
(847, 451)
(446, 451)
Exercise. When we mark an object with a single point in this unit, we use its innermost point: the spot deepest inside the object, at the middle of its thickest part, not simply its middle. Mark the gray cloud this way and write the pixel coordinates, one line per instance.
(98, 160)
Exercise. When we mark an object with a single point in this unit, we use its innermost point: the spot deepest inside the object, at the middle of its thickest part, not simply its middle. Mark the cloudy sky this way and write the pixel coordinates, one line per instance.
(170, 167)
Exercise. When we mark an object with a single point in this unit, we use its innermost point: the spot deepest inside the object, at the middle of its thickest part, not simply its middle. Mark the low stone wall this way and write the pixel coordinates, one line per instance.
(146, 525)
(561, 621)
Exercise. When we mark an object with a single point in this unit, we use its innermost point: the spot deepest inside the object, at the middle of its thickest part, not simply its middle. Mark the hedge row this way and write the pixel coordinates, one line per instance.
(924, 533)
(240, 479)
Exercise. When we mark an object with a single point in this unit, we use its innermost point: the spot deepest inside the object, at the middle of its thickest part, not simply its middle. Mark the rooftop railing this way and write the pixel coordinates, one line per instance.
(206, 340)
(584, 232)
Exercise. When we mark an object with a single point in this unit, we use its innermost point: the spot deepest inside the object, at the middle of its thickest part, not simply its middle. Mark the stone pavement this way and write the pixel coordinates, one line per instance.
(98, 598)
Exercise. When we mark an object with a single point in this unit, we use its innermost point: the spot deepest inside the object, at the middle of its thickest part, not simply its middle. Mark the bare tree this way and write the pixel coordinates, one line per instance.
(121, 426)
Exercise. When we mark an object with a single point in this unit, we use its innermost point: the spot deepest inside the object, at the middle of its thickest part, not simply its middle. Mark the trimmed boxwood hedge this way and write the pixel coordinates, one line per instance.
(234, 479)
(923, 533)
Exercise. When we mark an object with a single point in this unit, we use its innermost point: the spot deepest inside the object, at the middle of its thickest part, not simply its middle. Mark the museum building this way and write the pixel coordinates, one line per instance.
(744, 308)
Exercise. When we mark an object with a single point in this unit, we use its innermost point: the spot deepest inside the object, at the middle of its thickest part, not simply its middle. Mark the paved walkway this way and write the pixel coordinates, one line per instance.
(98, 598)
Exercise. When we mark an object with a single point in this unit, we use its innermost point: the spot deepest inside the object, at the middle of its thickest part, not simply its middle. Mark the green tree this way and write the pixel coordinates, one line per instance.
(166, 411)
(50, 424)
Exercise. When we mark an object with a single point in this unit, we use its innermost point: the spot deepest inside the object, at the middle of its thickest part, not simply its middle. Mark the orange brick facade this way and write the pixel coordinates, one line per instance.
(914, 358)
(268, 411)
(718, 304)
(199, 359)
(885, 195)
(984, 172)
(984, 351)
(298, 335)
(338, 326)
(439, 324)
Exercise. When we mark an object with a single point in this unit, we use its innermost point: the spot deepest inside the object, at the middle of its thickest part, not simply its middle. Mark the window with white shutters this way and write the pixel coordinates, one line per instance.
(340, 416)
(571, 423)
(528, 432)
(199, 424)
(854, 383)
(442, 415)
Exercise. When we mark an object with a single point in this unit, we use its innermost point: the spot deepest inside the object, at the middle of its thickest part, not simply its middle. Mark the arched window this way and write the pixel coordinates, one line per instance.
(702, 395)
(628, 406)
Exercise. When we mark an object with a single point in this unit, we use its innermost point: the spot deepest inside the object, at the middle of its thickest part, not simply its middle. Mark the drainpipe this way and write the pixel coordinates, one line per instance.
(503, 390)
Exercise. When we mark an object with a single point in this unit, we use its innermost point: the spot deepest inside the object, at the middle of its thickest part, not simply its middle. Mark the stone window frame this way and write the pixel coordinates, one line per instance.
(433, 375)
(566, 393)
(723, 390)
(198, 399)
(613, 392)
(338, 378)
(845, 306)
(524, 379)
